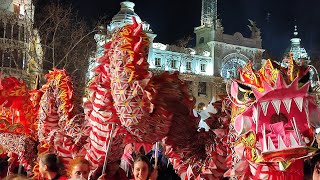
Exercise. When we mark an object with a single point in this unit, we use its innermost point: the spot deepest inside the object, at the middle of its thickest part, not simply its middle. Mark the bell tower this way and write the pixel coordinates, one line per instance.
(207, 29)
(208, 12)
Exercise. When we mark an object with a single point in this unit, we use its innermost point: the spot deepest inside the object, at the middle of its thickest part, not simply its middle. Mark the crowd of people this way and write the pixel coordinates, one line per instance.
(132, 166)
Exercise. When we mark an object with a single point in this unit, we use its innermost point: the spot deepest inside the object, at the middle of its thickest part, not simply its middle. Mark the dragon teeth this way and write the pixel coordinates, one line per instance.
(281, 144)
(293, 142)
(264, 107)
(287, 104)
(299, 102)
(264, 138)
(270, 145)
(276, 105)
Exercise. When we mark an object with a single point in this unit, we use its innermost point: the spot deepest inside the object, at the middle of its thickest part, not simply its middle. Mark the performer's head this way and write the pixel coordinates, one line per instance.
(129, 148)
(112, 168)
(79, 168)
(141, 168)
(315, 164)
(49, 165)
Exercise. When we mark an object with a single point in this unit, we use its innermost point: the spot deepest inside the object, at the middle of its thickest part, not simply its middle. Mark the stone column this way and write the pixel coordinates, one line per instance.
(5, 30)
(151, 37)
(19, 36)
(211, 45)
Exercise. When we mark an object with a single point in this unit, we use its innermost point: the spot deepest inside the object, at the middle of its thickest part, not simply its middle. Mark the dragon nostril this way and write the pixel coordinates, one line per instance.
(275, 118)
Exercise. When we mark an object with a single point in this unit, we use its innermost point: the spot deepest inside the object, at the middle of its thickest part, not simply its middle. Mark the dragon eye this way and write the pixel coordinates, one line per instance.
(245, 93)
(251, 95)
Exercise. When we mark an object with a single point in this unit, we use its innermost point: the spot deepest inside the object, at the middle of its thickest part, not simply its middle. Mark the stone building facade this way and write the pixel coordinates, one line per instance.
(17, 41)
(205, 67)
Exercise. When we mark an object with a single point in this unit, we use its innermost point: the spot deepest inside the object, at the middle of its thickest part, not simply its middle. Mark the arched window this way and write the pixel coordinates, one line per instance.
(201, 40)
(231, 63)
(230, 68)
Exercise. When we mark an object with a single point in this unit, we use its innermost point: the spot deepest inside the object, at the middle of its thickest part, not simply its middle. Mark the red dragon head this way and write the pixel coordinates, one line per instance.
(18, 116)
(273, 113)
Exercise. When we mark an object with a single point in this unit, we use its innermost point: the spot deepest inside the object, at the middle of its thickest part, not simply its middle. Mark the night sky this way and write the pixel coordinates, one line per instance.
(175, 19)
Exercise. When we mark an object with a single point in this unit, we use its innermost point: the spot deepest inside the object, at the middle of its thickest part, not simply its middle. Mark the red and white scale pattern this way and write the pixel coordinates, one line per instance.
(127, 95)
(21, 145)
(100, 115)
(56, 131)
(47, 115)
(114, 100)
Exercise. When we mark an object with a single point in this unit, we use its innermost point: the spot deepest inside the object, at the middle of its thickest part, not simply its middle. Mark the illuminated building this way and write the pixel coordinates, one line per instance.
(17, 42)
(206, 67)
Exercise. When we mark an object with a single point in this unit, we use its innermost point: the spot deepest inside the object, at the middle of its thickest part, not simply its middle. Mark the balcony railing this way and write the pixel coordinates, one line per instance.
(13, 71)
(14, 16)
(4, 42)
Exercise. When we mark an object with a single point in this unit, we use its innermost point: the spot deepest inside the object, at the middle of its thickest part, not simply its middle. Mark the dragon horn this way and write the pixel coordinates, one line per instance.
(135, 24)
(137, 30)
(137, 45)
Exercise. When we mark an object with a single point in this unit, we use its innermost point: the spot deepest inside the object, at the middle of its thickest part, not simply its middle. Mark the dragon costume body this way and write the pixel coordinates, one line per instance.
(34, 122)
(59, 130)
(264, 136)
(128, 103)
(127, 97)
(18, 133)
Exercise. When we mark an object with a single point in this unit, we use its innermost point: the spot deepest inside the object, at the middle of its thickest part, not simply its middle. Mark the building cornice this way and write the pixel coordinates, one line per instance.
(214, 43)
